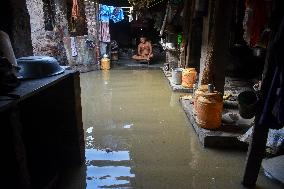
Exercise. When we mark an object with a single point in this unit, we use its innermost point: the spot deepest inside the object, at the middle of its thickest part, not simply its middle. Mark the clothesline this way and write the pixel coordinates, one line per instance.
(126, 7)
(107, 13)
(130, 9)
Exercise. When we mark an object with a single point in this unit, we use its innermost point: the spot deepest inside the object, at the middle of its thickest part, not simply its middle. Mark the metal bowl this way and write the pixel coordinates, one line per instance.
(33, 67)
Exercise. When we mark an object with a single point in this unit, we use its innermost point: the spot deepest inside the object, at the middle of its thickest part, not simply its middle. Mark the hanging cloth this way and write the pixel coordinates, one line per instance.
(73, 47)
(104, 34)
(75, 10)
(117, 15)
(105, 12)
(256, 16)
(109, 12)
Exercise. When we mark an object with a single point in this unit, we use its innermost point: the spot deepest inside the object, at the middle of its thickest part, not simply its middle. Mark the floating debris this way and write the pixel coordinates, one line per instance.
(108, 150)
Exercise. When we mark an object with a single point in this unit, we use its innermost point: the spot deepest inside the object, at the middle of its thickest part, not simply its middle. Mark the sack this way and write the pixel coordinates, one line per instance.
(8, 78)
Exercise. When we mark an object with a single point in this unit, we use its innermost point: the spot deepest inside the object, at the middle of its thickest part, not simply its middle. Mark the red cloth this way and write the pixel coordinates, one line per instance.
(258, 19)
(75, 10)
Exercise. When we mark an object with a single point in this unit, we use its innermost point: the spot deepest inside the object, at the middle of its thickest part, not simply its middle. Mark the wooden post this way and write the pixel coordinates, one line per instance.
(217, 54)
(255, 155)
(196, 41)
(199, 8)
(188, 14)
(186, 18)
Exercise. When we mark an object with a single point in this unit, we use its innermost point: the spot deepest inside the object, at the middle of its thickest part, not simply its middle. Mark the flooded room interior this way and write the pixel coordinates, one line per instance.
(152, 94)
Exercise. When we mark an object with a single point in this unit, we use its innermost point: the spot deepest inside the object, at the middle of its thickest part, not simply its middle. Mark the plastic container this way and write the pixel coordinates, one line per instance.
(201, 90)
(188, 77)
(105, 63)
(176, 76)
(209, 107)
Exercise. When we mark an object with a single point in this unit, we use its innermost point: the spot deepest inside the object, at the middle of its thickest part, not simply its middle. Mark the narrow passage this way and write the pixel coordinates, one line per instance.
(137, 136)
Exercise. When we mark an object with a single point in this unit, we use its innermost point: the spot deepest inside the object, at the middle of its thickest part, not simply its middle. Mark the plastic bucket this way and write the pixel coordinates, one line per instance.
(209, 107)
(188, 77)
(247, 102)
(176, 76)
(105, 63)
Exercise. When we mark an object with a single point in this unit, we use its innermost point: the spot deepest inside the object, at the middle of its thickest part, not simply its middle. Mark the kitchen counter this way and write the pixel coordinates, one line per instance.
(42, 130)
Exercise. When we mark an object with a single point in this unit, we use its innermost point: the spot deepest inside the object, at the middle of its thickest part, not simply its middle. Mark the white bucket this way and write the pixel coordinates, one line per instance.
(176, 76)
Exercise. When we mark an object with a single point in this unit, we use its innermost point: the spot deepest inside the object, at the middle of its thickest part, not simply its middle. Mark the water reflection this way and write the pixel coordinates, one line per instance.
(106, 168)
(95, 154)
(101, 172)
(90, 130)
(128, 126)
(108, 177)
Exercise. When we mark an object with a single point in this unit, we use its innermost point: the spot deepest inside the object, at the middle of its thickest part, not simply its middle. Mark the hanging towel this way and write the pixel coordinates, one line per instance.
(104, 34)
(105, 12)
(75, 10)
(130, 18)
(117, 15)
(109, 12)
(73, 47)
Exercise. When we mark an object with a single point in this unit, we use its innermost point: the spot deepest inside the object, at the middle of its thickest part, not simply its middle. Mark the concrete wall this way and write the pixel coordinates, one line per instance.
(91, 18)
(19, 31)
(35, 8)
(44, 42)
(85, 55)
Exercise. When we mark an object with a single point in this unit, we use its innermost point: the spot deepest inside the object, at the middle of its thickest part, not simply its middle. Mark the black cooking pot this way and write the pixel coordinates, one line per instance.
(33, 67)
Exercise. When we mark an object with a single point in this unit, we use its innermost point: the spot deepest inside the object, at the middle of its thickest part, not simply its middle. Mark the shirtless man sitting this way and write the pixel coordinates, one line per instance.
(144, 50)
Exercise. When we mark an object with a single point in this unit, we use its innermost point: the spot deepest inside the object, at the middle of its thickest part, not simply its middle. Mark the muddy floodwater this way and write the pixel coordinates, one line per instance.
(137, 136)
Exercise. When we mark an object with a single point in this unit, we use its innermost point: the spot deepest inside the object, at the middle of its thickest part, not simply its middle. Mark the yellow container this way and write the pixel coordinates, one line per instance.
(188, 77)
(105, 63)
(209, 109)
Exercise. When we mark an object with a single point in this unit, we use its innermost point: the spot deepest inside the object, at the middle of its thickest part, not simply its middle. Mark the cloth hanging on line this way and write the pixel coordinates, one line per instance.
(103, 48)
(117, 15)
(130, 18)
(105, 12)
(109, 12)
(255, 19)
(104, 34)
(73, 47)
(75, 10)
